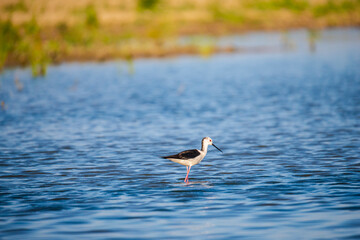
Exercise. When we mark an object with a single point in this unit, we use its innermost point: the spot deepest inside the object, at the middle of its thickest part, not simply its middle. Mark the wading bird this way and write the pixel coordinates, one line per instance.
(192, 157)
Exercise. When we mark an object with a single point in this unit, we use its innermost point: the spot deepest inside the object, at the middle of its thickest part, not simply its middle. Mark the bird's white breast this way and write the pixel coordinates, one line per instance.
(190, 162)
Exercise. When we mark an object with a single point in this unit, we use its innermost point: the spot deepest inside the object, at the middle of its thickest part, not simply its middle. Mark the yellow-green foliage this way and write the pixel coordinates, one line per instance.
(147, 4)
(91, 19)
(106, 28)
(226, 15)
(34, 48)
(294, 5)
(25, 43)
(18, 6)
(9, 36)
(331, 6)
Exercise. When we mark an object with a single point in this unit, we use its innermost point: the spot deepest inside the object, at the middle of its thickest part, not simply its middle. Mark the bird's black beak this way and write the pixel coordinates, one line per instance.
(217, 148)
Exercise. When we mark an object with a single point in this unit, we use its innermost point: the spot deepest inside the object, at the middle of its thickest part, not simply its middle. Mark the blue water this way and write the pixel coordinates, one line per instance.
(79, 148)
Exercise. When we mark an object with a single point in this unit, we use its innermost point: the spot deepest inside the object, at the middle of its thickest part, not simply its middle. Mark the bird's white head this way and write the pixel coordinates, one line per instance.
(208, 141)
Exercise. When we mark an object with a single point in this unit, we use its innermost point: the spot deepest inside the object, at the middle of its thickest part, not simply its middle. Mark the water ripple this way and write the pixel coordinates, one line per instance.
(86, 163)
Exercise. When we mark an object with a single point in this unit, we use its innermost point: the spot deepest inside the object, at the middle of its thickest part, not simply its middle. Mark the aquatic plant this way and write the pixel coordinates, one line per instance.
(35, 48)
(9, 36)
(3, 106)
(312, 36)
(25, 44)
(205, 46)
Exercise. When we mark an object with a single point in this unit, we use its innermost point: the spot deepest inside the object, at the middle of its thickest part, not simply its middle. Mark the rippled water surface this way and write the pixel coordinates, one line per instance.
(79, 148)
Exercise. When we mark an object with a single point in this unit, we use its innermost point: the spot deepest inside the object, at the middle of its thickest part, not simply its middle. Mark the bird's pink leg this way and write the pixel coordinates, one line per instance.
(187, 175)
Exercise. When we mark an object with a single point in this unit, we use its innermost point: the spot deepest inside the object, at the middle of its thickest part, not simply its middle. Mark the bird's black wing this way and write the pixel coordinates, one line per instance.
(185, 155)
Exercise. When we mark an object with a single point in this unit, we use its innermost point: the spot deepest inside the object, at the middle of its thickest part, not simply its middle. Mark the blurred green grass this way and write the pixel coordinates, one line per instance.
(40, 32)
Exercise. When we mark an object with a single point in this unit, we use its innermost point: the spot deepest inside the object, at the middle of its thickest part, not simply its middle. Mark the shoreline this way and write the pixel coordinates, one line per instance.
(37, 33)
(113, 53)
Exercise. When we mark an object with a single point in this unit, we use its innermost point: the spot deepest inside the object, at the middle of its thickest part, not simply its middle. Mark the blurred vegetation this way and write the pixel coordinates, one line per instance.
(91, 17)
(9, 37)
(40, 32)
(17, 6)
(25, 44)
(293, 5)
(147, 4)
(337, 7)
